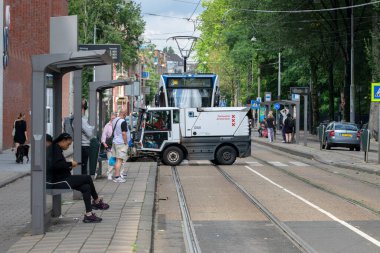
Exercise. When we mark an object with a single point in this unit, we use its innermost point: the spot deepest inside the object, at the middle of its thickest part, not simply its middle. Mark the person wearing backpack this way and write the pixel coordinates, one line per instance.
(120, 144)
(289, 128)
(107, 138)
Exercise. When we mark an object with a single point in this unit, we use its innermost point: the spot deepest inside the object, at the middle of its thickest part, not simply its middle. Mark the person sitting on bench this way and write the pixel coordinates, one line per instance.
(61, 171)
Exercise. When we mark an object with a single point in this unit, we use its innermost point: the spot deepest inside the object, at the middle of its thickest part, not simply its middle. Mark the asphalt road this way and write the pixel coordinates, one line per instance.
(330, 209)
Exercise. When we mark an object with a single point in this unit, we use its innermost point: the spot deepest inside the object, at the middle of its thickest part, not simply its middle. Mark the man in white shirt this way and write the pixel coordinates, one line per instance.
(120, 144)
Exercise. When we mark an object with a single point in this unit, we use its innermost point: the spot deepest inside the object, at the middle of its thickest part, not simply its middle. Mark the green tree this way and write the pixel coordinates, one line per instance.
(109, 21)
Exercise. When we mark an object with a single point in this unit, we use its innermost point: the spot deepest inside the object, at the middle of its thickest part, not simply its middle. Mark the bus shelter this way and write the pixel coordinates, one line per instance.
(291, 105)
(56, 65)
(95, 110)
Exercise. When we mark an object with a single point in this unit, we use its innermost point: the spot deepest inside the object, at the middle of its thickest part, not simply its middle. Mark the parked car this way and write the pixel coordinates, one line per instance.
(342, 134)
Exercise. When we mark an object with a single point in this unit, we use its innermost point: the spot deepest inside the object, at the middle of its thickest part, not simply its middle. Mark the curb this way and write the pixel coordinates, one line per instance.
(14, 178)
(145, 235)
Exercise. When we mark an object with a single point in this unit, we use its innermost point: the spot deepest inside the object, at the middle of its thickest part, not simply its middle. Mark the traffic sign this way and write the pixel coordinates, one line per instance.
(295, 97)
(258, 99)
(268, 96)
(276, 106)
(255, 104)
(375, 92)
(299, 90)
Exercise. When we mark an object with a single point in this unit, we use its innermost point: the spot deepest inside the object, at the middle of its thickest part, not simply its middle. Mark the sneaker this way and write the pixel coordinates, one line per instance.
(92, 218)
(109, 175)
(119, 180)
(123, 176)
(100, 206)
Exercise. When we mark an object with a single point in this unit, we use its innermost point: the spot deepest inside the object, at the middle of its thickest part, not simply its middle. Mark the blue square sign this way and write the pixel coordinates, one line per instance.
(375, 92)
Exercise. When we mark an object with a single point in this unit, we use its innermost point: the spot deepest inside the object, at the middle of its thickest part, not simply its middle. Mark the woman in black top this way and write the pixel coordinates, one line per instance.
(20, 136)
(60, 170)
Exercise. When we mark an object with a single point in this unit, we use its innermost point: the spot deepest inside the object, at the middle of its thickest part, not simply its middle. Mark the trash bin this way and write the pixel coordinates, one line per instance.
(93, 156)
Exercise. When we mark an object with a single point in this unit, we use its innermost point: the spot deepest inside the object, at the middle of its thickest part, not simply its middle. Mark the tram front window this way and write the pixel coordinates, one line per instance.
(185, 98)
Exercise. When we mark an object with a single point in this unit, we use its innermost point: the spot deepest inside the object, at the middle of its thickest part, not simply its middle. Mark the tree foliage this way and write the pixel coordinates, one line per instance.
(109, 21)
(315, 49)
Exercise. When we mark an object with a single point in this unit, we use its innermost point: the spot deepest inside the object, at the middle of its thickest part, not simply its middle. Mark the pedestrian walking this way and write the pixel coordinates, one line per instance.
(289, 128)
(120, 144)
(271, 123)
(87, 134)
(20, 135)
(60, 170)
(106, 134)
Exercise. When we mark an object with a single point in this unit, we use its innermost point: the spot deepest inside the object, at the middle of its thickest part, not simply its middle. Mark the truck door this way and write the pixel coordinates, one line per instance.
(158, 125)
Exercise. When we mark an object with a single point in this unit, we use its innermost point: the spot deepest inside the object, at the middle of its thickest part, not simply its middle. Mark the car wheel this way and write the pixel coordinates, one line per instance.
(172, 156)
(352, 148)
(225, 155)
(357, 148)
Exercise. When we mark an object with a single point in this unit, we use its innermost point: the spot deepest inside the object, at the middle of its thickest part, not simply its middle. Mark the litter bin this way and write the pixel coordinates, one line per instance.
(364, 142)
(93, 156)
(322, 136)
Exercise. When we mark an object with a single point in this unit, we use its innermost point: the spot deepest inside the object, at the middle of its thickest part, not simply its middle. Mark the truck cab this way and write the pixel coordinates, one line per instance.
(174, 134)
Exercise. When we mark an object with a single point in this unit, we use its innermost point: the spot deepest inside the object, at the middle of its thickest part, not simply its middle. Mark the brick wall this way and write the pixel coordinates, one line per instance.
(29, 34)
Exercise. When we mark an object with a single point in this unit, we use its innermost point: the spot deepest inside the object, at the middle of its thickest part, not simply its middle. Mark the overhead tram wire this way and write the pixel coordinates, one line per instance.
(187, 2)
(164, 16)
(307, 10)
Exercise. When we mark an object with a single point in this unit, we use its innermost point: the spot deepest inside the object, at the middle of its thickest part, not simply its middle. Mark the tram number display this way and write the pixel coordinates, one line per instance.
(189, 82)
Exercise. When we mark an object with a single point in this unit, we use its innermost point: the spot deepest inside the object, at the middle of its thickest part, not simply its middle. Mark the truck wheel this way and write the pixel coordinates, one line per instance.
(172, 156)
(226, 155)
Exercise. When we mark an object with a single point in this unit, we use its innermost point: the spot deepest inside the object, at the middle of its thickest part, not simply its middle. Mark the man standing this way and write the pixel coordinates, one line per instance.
(270, 126)
(87, 134)
(283, 112)
(120, 144)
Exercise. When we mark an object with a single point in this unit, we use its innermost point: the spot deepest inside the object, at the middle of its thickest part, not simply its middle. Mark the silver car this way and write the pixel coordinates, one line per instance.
(341, 134)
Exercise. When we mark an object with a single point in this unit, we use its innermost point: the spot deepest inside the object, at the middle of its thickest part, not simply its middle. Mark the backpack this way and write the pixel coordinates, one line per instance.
(68, 125)
(291, 123)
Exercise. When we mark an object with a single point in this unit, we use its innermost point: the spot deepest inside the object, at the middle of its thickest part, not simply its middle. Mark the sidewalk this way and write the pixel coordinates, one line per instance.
(126, 226)
(340, 157)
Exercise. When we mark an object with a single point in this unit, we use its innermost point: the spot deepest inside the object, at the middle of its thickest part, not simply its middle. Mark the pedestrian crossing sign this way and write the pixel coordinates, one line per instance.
(375, 92)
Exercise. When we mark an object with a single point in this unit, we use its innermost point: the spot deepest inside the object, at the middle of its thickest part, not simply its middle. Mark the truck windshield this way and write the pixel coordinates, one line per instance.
(187, 92)
(158, 121)
(185, 98)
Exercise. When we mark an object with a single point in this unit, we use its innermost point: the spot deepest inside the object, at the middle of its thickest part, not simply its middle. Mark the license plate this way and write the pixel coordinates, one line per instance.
(347, 135)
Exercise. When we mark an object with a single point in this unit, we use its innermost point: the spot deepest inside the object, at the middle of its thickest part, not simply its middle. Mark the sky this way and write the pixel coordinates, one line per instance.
(158, 28)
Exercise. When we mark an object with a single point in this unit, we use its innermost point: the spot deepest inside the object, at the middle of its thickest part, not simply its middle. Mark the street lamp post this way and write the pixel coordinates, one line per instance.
(279, 76)
(352, 86)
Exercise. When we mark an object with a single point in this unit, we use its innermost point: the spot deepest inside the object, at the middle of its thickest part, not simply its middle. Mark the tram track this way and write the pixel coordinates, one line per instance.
(190, 237)
(322, 188)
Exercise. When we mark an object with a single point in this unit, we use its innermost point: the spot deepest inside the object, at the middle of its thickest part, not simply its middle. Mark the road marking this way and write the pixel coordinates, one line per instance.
(278, 164)
(352, 228)
(299, 164)
(255, 164)
(203, 162)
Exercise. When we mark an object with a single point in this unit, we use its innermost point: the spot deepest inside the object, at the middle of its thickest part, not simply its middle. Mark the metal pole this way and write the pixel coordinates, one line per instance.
(279, 76)
(378, 140)
(93, 71)
(305, 121)
(352, 86)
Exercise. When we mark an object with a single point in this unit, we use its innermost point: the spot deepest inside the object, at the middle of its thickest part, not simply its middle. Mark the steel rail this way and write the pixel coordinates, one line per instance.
(293, 237)
(191, 241)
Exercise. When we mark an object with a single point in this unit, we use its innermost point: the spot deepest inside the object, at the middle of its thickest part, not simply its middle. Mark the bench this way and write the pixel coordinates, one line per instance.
(56, 190)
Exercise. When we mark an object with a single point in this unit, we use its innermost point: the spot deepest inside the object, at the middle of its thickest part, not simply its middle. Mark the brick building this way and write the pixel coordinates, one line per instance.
(28, 35)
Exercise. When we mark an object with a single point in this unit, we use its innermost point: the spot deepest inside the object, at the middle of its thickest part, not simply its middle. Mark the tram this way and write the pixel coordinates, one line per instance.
(188, 90)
